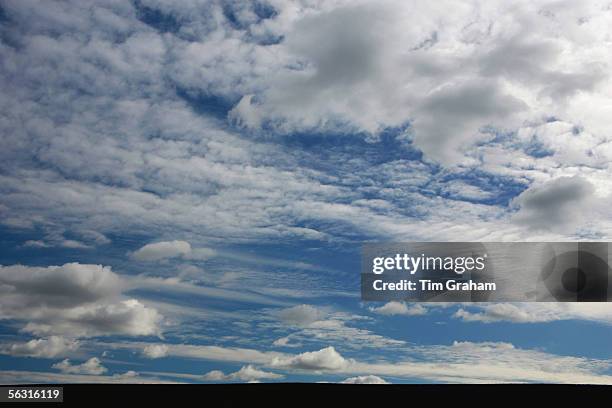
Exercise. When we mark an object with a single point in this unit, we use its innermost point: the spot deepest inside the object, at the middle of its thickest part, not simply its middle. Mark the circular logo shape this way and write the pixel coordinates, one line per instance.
(577, 276)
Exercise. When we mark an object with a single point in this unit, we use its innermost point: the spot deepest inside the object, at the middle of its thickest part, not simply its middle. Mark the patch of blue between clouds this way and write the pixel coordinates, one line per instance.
(206, 103)
(156, 19)
(3, 16)
(502, 189)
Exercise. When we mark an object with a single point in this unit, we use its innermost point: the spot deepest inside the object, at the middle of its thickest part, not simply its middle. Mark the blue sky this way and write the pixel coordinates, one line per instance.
(186, 186)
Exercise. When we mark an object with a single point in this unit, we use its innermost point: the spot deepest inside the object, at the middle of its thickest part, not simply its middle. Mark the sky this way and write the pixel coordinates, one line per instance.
(185, 186)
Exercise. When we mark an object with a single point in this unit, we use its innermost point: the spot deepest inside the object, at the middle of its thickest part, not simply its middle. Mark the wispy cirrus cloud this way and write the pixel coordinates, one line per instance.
(472, 362)
(535, 312)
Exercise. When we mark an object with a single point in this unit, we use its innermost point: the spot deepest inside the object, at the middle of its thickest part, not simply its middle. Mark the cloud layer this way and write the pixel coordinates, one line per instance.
(136, 130)
(137, 136)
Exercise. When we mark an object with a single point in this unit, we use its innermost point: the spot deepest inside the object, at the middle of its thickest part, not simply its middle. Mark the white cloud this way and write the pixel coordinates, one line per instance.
(451, 74)
(399, 308)
(536, 312)
(212, 353)
(155, 351)
(325, 359)
(163, 166)
(469, 362)
(54, 238)
(38, 377)
(247, 373)
(159, 166)
(176, 285)
(73, 300)
(71, 243)
(364, 379)
(128, 317)
(36, 244)
(201, 254)
(128, 374)
(92, 366)
(486, 363)
(558, 203)
(301, 315)
(283, 342)
(50, 347)
(66, 285)
(162, 250)
(493, 362)
(171, 249)
(132, 155)
(449, 120)
(459, 189)
(244, 114)
(314, 324)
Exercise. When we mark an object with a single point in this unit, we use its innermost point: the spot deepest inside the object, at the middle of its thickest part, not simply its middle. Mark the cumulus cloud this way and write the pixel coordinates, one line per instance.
(128, 317)
(93, 366)
(67, 285)
(364, 379)
(247, 373)
(155, 351)
(325, 359)
(558, 203)
(283, 342)
(50, 347)
(484, 65)
(399, 308)
(464, 107)
(74, 300)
